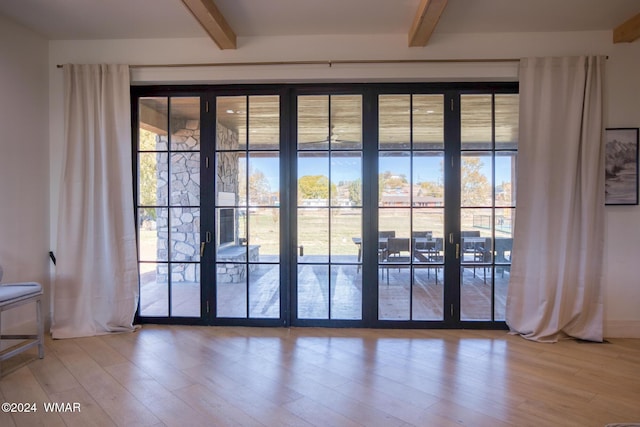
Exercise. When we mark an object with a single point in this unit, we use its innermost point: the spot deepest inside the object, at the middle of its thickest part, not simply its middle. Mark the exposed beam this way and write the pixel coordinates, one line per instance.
(210, 18)
(627, 31)
(425, 21)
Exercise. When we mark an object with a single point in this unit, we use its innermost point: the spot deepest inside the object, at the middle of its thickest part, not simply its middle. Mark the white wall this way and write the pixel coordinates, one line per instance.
(621, 289)
(24, 160)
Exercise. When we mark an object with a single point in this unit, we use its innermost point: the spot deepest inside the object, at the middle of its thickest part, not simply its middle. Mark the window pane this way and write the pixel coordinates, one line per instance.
(475, 122)
(313, 290)
(428, 121)
(313, 235)
(394, 127)
(346, 122)
(313, 122)
(313, 179)
(505, 178)
(152, 179)
(393, 179)
(185, 124)
(428, 179)
(231, 113)
(185, 234)
(185, 179)
(231, 290)
(185, 290)
(428, 293)
(345, 226)
(154, 123)
(346, 182)
(394, 292)
(264, 179)
(152, 234)
(264, 122)
(476, 180)
(264, 291)
(264, 233)
(154, 289)
(475, 293)
(507, 110)
(346, 292)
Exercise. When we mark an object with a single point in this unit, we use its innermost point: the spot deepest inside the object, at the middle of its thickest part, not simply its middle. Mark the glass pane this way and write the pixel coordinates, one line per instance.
(153, 231)
(231, 178)
(394, 292)
(428, 293)
(154, 289)
(313, 179)
(475, 122)
(475, 293)
(501, 281)
(346, 292)
(346, 225)
(476, 180)
(150, 141)
(428, 121)
(264, 233)
(428, 230)
(185, 179)
(346, 122)
(152, 179)
(394, 126)
(153, 123)
(428, 179)
(504, 222)
(264, 291)
(476, 242)
(231, 123)
(264, 122)
(185, 124)
(185, 290)
(185, 234)
(393, 179)
(313, 291)
(231, 234)
(507, 111)
(231, 290)
(346, 181)
(313, 122)
(264, 179)
(394, 222)
(313, 235)
(505, 179)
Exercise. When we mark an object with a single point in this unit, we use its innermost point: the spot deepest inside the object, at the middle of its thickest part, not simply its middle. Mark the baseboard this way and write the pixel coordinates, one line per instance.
(622, 329)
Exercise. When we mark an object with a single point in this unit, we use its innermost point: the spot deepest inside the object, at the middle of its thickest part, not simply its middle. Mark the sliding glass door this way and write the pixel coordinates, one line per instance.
(328, 205)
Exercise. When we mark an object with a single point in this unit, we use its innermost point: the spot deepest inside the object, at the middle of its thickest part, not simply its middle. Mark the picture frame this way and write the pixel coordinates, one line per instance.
(621, 166)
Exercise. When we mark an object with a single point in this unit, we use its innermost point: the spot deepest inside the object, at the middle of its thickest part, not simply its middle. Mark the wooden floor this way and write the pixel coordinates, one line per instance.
(233, 376)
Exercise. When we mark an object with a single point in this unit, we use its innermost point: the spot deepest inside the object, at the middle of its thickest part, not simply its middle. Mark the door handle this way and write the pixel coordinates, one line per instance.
(301, 249)
(202, 244)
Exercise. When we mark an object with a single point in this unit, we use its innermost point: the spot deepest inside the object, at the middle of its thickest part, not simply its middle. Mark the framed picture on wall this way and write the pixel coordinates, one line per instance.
(621, 182)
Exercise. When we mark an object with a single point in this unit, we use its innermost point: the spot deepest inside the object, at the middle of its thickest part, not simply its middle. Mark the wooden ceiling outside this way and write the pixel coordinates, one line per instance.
(346, 117)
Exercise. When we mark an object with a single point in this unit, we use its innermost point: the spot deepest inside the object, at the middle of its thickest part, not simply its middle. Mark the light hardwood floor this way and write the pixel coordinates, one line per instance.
(233, 376)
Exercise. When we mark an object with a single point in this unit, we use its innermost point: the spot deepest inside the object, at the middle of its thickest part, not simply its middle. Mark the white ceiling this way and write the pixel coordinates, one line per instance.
(119, 19)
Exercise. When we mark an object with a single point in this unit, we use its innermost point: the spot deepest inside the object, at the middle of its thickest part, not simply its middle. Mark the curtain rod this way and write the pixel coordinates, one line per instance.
(329, 63)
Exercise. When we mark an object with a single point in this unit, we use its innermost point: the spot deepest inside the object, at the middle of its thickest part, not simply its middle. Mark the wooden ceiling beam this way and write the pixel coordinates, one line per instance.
(627, 31)
(425, 21)
(213, 22)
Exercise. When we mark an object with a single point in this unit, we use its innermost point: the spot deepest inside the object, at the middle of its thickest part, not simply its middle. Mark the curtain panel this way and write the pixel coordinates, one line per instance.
(555, 286)
(96, 279)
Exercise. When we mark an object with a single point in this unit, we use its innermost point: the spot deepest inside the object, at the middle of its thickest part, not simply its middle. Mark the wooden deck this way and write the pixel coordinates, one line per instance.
(336, 294)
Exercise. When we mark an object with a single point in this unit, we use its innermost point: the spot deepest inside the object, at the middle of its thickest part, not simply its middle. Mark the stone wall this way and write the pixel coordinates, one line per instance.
(182, 171)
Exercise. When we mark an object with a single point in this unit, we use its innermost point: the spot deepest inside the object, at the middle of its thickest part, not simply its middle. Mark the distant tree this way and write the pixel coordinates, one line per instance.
(476, 190)
(355, 192)
(314, 187)
(259, 187)
(148, 175)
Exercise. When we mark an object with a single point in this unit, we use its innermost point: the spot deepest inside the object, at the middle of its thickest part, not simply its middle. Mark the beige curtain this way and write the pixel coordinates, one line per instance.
(96, 288)
(554, 291)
